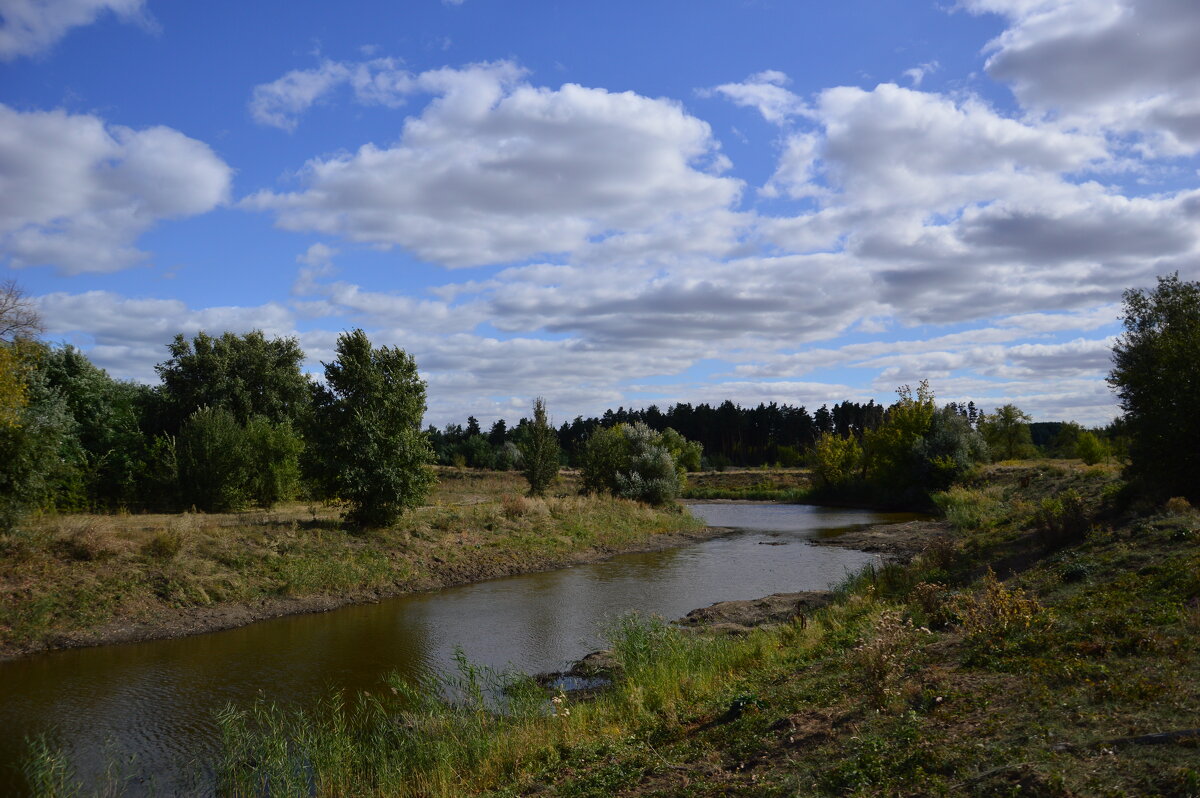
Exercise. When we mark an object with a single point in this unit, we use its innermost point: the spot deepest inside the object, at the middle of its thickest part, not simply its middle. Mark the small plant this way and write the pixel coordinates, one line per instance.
(997, 619)
(1061, 520)
(514, 506)
(935, 602)
(883, 658)
(1178, 505)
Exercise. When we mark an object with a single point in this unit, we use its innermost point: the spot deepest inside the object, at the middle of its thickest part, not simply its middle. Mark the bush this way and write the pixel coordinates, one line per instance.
(1090, 449)
(836, 462)
(1061, 520)
(635, 462)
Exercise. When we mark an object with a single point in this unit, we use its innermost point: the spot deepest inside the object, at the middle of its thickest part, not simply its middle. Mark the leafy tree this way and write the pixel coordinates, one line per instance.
(891, 451)
(248, 375)
(539, 450)
(949, 449)
(1156, 374)
(836, 462)
(605, 455)
(687, 454)
(1007, 433)
(1089, 448)
(214, 461)
(367, 445)
(274, 461)
(37, 437)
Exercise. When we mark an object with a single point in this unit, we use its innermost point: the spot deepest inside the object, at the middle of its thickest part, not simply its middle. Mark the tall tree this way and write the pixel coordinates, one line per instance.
(539, 450)
(247, 375)
(1156, 374)
(367, 443)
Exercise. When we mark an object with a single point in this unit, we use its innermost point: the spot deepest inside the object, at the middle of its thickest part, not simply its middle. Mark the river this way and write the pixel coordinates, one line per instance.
(155, 701)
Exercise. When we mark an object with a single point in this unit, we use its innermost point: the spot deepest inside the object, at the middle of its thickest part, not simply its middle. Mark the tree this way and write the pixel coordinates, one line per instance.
(1007, 433)
(1089, 448)
(366, 442)
(1156, 374)
(248, 375)
(539, 450)
(18, 317)
(214, 461)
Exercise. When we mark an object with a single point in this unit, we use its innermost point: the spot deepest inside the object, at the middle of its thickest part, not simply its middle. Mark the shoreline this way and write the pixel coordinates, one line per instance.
(187, 622)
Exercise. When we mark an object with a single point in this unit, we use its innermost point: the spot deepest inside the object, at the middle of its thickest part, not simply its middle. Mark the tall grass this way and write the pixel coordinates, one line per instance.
(471, 730)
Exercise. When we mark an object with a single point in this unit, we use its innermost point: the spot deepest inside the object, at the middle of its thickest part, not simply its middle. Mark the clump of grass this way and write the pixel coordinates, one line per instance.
(164, 545)
(971, 508)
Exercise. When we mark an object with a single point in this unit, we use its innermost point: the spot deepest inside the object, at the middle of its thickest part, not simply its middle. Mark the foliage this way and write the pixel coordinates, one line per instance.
(635, 462)
(1007, 433)
(1090, 449)
(247, 375)
(37, 444)
(1061, 519)
(998, 619)
(367, 445)
(1156, 371)
(539, 451)
(948, 450)
(214, 461)
(274, 461)
(836, 462)
(893, 449)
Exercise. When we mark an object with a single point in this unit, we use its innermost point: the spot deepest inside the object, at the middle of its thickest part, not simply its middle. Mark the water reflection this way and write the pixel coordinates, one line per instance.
(156, 700)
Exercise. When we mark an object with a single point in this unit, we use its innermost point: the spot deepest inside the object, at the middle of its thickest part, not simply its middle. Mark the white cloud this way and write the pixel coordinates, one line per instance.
(76, 194)
(1123, 65)
(765, 92)
(129, 336)
(380, 81)
(917, 74)
(495, 170)
(31, 26)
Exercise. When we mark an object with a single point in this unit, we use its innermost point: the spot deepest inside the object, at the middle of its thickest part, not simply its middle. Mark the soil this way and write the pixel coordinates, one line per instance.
(739, 617)
(899, 542)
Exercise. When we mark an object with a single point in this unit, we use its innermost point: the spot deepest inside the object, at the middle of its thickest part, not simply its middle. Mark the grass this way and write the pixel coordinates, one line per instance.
(750, 484)
(65, 575)
(1002, 663)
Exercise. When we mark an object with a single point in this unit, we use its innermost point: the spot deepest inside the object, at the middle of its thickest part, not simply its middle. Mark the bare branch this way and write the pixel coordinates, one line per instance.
(18, 317)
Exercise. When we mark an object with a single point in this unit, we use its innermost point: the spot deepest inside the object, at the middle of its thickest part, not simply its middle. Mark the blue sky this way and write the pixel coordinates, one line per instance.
(611, 204)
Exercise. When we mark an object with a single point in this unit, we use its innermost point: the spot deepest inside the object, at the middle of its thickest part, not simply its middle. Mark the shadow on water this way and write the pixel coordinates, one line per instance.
(156, 701)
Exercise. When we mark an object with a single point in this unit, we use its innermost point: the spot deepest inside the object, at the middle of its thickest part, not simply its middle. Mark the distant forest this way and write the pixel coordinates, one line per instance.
(732, 435)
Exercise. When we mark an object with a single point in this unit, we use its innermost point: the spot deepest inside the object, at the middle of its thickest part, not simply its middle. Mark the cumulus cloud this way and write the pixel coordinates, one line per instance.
(497, 170)
(76, 193)
(129, 336)
(28, 27)
(1119, 64)
(767, 93)
(379, 81)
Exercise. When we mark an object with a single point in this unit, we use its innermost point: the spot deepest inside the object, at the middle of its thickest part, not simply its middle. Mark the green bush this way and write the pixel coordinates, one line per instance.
(214, 458)
(635, 462)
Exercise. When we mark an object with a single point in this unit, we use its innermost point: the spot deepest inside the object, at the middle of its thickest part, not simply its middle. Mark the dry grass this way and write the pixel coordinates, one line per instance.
(66, 573)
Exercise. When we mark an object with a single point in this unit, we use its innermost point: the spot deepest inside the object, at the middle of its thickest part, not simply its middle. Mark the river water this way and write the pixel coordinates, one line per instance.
(155, 701)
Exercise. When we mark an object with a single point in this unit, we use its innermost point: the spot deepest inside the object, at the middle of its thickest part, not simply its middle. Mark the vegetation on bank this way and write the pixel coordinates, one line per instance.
(1048, 646)
(67, 575)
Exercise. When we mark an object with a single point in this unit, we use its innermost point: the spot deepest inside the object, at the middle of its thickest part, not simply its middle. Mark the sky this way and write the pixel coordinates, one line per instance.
(611, 204)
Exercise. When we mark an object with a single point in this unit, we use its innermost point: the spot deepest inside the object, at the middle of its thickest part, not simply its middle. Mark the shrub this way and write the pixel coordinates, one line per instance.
(165, 545)
(1061, 520)
(1090, 449)
(883, 658)
(836, 462)
(997, 619)
(634, 462)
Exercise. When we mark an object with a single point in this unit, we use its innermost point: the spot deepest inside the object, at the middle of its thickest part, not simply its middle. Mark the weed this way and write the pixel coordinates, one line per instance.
(165, 545)
(997, 620)
(1061, 520)
(884, 657)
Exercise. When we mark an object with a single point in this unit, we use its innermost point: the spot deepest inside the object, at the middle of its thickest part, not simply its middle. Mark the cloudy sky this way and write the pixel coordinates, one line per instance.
(617, 203)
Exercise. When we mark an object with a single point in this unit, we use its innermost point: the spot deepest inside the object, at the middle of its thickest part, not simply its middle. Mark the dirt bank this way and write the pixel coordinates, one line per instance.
(899, 542)
(167, 623)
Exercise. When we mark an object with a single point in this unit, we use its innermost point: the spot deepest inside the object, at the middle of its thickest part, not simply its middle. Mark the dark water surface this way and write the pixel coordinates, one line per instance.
(155, 701)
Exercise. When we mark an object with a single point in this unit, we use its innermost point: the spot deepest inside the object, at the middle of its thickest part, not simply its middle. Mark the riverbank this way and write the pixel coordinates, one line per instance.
(1049, 647)
(83, 580)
